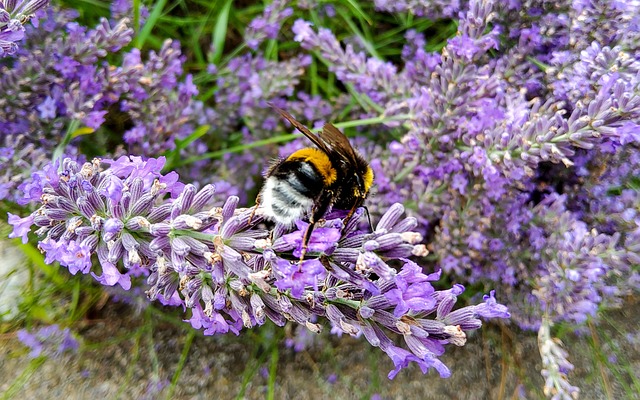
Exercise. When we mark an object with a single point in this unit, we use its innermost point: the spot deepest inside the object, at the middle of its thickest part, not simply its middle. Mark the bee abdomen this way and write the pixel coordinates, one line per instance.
(290, 191)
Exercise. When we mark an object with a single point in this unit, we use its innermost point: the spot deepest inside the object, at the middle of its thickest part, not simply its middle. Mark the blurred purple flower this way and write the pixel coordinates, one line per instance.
(268, 24)
(296, 276)
(50, 341)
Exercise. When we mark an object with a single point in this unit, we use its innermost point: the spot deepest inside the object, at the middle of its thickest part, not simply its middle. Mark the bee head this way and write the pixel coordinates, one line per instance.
(364, 180)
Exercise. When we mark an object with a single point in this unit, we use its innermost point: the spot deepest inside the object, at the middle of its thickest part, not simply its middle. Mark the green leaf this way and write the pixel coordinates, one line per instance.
(614, 191)
(85, 130)
(543, 67)
(197, 134)
(59, 150)
(136, 15)
(357, 11)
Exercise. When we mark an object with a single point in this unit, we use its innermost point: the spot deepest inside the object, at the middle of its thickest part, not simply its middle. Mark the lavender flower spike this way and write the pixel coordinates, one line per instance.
(230, 274)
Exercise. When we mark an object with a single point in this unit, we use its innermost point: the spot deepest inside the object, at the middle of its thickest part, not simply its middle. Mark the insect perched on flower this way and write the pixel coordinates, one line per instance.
(312, 180)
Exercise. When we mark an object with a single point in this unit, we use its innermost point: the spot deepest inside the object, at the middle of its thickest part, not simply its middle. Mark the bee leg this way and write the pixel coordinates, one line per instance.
(322, 204)
(368, 218)
(255, 208)
(346, 219)
(305, 239)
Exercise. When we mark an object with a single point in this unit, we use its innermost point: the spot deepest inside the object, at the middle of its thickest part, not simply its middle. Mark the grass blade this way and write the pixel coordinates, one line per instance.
(145, 32)
(220, 32)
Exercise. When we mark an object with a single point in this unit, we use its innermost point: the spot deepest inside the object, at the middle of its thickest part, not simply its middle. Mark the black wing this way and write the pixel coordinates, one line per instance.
(338, 142)
(322, 145)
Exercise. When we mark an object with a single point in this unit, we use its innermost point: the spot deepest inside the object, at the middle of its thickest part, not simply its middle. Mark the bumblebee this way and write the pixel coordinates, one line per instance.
(311, 181)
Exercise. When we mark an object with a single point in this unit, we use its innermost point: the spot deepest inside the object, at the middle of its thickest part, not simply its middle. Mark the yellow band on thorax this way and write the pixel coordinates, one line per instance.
(368, 179)
(318, 159)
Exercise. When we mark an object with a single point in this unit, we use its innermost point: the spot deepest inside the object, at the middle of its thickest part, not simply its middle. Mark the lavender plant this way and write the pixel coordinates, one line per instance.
(516, 160)
(49, 89)
(228, 273)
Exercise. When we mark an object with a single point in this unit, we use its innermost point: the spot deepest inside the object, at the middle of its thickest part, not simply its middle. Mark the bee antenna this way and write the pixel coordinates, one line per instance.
(368, 217)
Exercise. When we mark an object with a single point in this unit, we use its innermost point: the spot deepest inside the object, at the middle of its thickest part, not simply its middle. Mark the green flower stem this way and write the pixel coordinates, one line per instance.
(73, 126)
(196, 235)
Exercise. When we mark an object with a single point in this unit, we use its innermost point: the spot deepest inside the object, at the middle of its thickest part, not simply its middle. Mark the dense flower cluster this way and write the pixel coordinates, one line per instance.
(433, 9)
(60, 87)
(482, 130)
(520, 154)
(230, 274)
(575, 266)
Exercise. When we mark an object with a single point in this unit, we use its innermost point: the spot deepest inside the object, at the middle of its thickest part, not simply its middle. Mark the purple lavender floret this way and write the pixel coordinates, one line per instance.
(119, 219)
